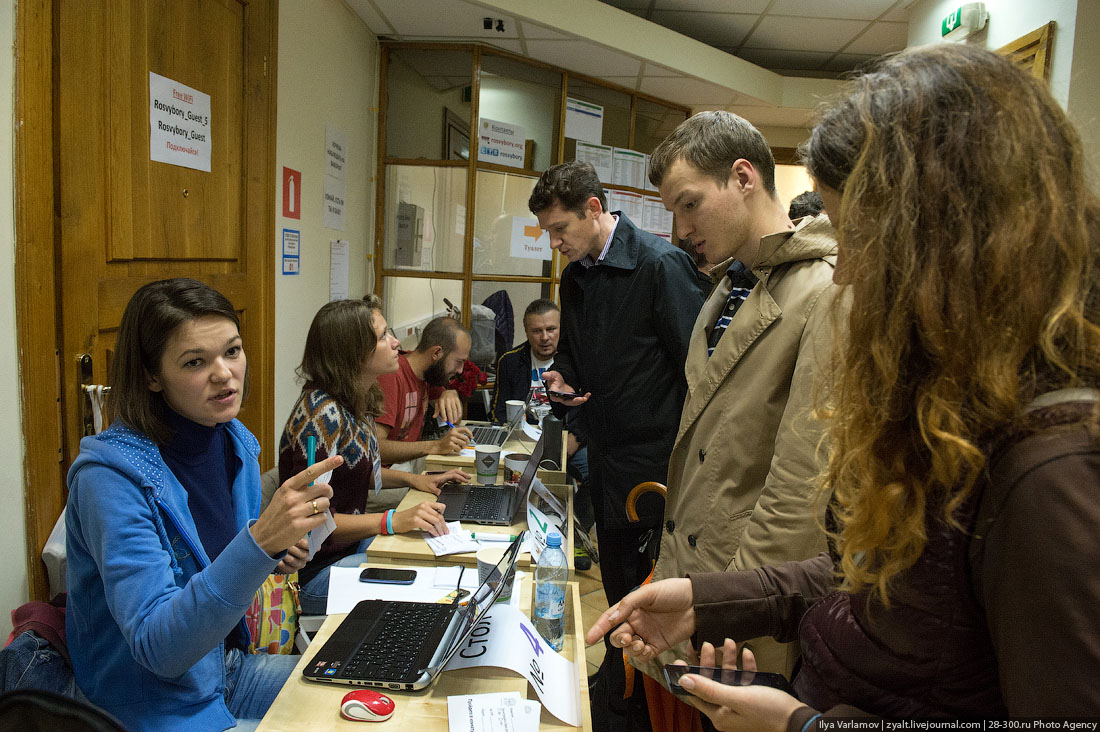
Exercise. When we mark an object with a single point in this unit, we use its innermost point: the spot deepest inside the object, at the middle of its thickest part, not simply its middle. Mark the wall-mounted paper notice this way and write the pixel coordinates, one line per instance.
(583, 120)
(338, 270)
(629, 203)
(629, 168)
(501, 143)
(599, 156)
(335, 195)
(656, 218)
(179, 124)
(336, 152)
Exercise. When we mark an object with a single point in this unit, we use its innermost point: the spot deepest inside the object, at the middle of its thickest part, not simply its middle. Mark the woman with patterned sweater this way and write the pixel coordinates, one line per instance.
(347, 348)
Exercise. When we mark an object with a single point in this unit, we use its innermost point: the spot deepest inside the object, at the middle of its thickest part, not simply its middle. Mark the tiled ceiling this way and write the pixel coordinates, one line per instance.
(813, 40)
(822, 38)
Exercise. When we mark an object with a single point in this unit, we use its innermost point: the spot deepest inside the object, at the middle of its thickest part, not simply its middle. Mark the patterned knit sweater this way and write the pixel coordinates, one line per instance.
(337, 431)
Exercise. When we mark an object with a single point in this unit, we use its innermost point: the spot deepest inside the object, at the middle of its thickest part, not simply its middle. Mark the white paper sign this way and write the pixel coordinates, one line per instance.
(179, 124)
(335, 194)
(292, 241)
(539, 525)
(339, 262)
(501, 712)
(336, 146)
(599, 156)
(528, 240)
(506, 639)
(629, 168)
(583, 120)
(500, 143)
(631, 204)
(656, 218)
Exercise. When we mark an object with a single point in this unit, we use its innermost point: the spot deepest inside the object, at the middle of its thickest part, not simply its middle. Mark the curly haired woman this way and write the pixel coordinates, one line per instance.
(964, 473)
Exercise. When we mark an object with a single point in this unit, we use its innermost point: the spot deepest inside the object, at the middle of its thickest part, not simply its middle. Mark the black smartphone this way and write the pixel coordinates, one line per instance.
(388, 576)
(727, 676)
(563, 394)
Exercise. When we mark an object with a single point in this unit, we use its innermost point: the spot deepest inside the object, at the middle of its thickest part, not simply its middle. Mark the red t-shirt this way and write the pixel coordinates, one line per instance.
(406, 399)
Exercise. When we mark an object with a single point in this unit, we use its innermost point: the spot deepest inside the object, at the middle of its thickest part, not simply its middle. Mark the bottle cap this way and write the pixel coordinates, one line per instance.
(553, 539)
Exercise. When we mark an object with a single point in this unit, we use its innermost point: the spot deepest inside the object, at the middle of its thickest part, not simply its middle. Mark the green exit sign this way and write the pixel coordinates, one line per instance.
(951, 22)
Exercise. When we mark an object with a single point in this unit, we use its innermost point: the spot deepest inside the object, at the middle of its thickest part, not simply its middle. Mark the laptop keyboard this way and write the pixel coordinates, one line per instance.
(486, 435)
(484, 502)
(403, 631)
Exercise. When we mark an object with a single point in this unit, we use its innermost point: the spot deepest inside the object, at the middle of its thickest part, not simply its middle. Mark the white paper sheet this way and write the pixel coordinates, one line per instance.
(511, 642)
(502, 712)
(457, 541)
(431, 585)
(322, 532)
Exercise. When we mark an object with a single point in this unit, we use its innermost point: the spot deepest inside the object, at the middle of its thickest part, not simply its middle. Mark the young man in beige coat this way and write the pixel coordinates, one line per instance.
(741, 477)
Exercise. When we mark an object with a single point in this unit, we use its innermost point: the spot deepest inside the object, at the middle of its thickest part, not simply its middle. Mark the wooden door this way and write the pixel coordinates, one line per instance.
(125, 219)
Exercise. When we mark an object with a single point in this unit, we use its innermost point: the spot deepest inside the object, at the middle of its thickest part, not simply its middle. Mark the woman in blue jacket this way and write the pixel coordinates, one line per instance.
(165, 550)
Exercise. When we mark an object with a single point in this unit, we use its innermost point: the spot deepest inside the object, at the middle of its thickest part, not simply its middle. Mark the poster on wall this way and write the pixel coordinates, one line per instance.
(336, 146)
(583, 121)
(179, 124)
(656, 219)
(339, 262)
(333, 216)
(629, 168)
(500, 143)
(528, 240)
(600, 158)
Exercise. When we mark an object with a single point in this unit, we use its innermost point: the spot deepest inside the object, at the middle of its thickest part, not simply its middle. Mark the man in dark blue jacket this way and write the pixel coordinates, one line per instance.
(629, 302)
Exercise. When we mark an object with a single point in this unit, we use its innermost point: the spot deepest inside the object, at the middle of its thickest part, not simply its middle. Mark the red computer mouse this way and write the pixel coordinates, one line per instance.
(365, 705)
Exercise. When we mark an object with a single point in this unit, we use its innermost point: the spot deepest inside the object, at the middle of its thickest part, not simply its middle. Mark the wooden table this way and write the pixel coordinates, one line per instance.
(309, 705)
(411, 547)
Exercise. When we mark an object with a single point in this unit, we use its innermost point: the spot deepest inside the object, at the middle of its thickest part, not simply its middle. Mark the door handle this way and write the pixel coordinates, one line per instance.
(84, 395)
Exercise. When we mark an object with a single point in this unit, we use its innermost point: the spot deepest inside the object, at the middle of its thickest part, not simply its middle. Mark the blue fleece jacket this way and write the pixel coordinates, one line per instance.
(147, 610)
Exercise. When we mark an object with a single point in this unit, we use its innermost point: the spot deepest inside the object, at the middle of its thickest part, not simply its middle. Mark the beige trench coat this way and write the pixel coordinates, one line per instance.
(741, 483)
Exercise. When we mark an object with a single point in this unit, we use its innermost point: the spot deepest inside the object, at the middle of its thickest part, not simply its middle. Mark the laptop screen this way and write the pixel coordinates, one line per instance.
(483, 598)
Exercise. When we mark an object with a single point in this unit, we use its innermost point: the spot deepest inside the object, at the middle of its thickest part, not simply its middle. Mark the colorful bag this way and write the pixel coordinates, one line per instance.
(272, 618)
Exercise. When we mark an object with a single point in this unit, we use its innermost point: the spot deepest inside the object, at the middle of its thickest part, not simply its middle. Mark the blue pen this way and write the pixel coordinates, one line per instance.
(311, 457)
(468, 439)
(311, 452)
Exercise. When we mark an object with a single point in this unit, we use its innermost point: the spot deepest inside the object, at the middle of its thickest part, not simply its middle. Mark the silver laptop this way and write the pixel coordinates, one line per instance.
(405, 645)
(490, 433)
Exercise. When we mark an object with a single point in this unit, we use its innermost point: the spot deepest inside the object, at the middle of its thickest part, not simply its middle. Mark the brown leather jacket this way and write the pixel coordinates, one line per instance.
(1001, 618)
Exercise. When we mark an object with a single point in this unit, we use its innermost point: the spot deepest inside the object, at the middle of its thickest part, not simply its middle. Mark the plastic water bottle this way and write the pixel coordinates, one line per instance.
(551, 574)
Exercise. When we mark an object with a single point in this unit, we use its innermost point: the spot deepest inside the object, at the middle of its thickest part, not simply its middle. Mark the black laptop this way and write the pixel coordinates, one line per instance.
(492, 505)
(405, 645)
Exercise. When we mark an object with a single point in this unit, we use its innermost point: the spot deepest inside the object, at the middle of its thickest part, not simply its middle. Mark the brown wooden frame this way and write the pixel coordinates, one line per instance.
(1032, 52)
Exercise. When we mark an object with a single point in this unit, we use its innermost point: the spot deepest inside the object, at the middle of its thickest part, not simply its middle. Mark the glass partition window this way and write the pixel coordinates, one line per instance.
(411, 302)
(653, 123)
(526, 99)
(507, 240)
(425, 221)
(428, 103)
(519, 295)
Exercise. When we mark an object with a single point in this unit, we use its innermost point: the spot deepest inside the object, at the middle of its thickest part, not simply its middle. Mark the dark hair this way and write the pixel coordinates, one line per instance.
(340, 340)
(538, 307)
(440, 332)
(152, 316)
(713, 142)
(569, 184)
(805, 204)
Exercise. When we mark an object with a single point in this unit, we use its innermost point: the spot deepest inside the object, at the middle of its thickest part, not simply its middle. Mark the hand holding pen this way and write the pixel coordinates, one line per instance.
(456, 439)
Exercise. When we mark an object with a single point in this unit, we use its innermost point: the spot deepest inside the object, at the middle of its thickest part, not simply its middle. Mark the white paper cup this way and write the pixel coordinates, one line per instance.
(513, 407)
(487, 560)
(487, 463)
(514, 465)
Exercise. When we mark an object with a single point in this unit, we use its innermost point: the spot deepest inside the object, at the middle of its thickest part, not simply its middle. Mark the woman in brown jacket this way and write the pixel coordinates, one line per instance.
(964, 476)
